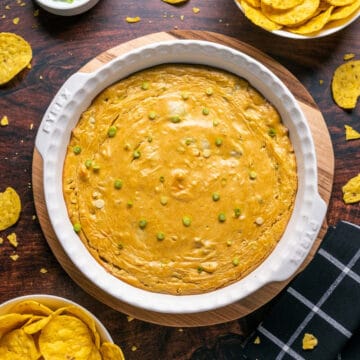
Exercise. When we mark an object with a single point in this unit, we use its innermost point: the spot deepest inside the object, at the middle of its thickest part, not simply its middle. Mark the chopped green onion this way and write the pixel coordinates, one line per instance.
(209, 91)
(235, 261)
(222, 217)
(145, 85)
(218, 141)
(175, 119)
(77, 227)
(216, 196)
(160, 236)
(112, 131)
(77, 149)
(186, 221)
(252, 175)
(237, 212)
(136, 154)
(88, 163)
(118, 183)
(152, 115)
(142, 224)
(205, 111)
(272, 132)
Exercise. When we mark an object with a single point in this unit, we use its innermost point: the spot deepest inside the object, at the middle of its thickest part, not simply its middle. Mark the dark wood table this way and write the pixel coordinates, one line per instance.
(62, 45)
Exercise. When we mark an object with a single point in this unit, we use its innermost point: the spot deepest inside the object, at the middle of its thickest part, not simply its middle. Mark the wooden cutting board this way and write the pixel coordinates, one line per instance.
(241, 308)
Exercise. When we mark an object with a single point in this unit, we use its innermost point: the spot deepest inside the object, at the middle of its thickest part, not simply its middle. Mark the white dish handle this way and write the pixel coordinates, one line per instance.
(312, 222)
(62, 103)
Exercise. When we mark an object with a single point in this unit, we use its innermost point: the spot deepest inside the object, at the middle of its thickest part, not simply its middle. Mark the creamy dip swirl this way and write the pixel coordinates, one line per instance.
(180, 179)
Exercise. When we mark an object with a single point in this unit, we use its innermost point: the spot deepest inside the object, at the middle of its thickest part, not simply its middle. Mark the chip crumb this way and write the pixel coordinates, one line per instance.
(130, 318)
(348, 56)
(14, 257)
(182, 17)
(134, 348)
(31, 126)
(132, 20)
(309, 342)
(13, 240)
(181, 330)
(351, 134)
(40, 77)
(196, 10)
(321, 81)
(43, 270)
(7, 7)
(257, 340)
(33, 217)
(1, 240)
(16, 20)
(36, 12)
(4, 121)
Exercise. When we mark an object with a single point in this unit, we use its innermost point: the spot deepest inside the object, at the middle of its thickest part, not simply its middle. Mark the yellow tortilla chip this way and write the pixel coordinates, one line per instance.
(293, 16)
(10, 208)
(351, 190)
(340, 2)
(282, 4)
(65, 337)
(31, 307)
(16, 345)
(256, 16)
(86, 319)
(351, 134)
(111, 351)
(9, 322)
(346, 85)
(345, 11)
(315, 24)
(15, 55)
(253, 3)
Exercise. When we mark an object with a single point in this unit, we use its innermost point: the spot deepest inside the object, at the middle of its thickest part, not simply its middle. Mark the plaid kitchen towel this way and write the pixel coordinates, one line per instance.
(322, 302)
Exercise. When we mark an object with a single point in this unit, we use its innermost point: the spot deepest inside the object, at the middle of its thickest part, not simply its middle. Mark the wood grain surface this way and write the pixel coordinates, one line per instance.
(239, 309)
(61, 46)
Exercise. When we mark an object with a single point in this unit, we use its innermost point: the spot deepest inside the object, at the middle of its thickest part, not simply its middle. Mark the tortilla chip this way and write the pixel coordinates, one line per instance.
(10, 208)
(346, 84)
(15, 55)
(294, 16)
(315, 24)
(351, 190)
(256, 16)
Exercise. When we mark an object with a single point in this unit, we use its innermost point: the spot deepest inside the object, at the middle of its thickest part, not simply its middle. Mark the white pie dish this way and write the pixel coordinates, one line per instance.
(61, 7)
(76, 95)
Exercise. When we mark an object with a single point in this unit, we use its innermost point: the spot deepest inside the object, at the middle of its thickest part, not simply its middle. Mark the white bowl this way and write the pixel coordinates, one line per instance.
(55, 302)
(329, 29)
(76, 95)
(60, 7)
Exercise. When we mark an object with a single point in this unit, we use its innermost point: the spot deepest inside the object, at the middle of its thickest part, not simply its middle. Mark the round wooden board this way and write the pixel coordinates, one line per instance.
(241, 308)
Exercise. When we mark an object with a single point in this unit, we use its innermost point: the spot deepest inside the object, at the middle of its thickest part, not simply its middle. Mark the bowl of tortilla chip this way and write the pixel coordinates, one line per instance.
(301, 19)
(49, 326)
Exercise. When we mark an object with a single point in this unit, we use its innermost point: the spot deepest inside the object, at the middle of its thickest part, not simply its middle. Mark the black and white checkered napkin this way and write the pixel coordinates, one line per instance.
(323, 300)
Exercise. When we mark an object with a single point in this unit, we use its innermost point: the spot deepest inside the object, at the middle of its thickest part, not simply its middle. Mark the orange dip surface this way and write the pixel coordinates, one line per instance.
(180, 179)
